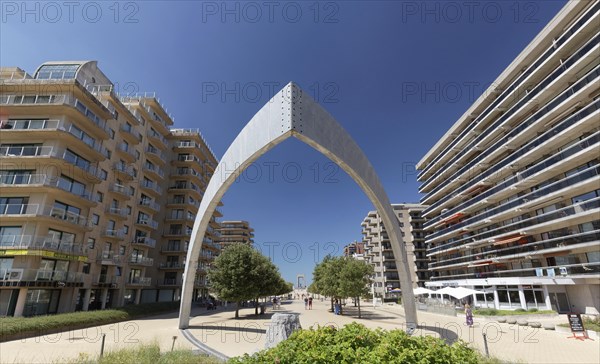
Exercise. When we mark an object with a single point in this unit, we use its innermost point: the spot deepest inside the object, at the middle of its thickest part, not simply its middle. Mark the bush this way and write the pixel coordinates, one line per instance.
(486, 312)
(533, 310)
(355, 343)
(40, 325)
(520, 310)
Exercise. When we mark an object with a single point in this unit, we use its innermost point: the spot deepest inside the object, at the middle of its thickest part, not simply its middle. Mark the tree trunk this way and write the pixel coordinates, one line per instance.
(358, 300)
(256, 306)
(332, 310)
(237, 309)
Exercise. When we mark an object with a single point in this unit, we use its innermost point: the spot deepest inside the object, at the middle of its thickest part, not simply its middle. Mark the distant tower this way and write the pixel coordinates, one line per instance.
(300, 278)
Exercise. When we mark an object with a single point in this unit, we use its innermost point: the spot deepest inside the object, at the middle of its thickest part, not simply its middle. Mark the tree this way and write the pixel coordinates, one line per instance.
(341, 277)
(241, 273)
(355, 279)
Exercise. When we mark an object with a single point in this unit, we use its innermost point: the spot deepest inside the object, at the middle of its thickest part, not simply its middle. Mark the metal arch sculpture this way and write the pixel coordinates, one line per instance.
(292, 113)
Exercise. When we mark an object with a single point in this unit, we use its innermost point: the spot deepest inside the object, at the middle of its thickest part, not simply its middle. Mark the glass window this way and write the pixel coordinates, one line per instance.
(91, 242)
(95, 219)
(10, 235)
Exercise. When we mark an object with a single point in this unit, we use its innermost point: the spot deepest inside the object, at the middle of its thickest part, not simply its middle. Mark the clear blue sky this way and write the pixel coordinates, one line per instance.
(396, 75)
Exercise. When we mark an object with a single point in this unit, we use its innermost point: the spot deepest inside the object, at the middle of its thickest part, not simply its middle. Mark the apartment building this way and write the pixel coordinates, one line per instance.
(378, 249)
(236, 231)
(355, 249)
(98, 193)
(513, 187)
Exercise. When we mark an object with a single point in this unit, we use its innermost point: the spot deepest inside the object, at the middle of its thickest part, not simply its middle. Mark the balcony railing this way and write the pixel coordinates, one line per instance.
(170, 282)
(154, 169)
(172, 265)
(109, 257)
(107, 279)
(37, 210)
(157, 136)
(40, 243)
(120, 189)
(156, 152)
(127, 150)
(145, 261)
(147, 222)
(144, 240)
(37, 275)
(484, 237)
(151, 186)
(139, 281)
(113, 233)
(130, 130)
(14, 179)
(149, 203)
(122, 212)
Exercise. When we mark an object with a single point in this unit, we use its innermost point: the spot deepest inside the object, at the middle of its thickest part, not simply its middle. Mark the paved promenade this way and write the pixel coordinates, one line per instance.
(218, 330)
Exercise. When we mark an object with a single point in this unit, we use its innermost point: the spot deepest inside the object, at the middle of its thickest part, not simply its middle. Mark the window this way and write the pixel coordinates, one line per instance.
(131, 191)
(99, 196)
(14, 205)
(91, 243)
(103, 174)
(128, 210)
(76, 159)
(137, 154)
(57, 72)
(121, 249)
(10, 235)
(110, 226)
(65, 212)
(86, 268)
(126, 229)
(70, 185)
(111, 133)
(95, 219)
(61, 237)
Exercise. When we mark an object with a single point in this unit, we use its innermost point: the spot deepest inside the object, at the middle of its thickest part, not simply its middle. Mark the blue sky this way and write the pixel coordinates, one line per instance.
(396, 75)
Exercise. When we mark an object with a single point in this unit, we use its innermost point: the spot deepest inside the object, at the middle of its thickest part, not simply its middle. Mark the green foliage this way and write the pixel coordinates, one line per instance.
(355, 343)
(341, 277)
(588, 323)
(38, 325)
(241, 273)
(520, 310)
(145, 354)
(533, 309)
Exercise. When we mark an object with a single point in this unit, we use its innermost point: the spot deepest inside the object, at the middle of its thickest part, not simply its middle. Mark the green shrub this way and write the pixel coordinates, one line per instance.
(355, 343)
(520, 310)
(533, 310)
(39, 325)
(486, 312)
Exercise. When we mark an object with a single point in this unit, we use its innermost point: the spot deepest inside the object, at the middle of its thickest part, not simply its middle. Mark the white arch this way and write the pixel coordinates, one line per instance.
(292, 113)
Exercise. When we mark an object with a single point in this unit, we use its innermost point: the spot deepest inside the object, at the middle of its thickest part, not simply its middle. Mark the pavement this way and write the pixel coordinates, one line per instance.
(221, 332)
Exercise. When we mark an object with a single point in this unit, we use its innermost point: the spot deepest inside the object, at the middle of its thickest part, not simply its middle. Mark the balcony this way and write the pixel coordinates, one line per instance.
(143, 261)
(156, 137)
(9, 211)
(120, 190)
(154, 171)
(144, 241)
(177, 232)
(147, 223)
(172, 265)
(109, 258)
(39, 127)
(113, 234)
(120, 213)
(170, 282)
(169, 248)
(152, 187)
(41, 275)
(130, 134)
(125, 151)
(150, 204)
(105, 280)
(124, 171)
(139, 281)
(155, 155)
(30, 242)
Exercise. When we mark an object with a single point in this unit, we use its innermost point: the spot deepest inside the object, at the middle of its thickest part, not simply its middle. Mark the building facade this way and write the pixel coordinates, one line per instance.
(236, 232)
(355, 249)
(513, 187)
(98, 193)
(378, 250)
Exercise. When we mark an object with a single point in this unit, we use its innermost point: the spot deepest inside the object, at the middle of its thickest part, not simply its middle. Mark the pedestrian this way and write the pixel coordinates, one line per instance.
(469, 315)
(310, 303)
(305, 303)
(336, 307)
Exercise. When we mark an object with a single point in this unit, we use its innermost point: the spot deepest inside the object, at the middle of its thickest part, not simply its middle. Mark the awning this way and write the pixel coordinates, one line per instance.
(456, 216)
(480, 264)
(508, 240)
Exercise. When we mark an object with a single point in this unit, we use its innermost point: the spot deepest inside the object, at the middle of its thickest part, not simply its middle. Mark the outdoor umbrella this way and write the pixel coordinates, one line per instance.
(462, 292)
(421, 290)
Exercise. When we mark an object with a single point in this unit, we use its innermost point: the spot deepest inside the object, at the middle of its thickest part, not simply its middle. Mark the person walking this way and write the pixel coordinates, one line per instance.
(469, 315)
(310, 303)
(305, 303)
